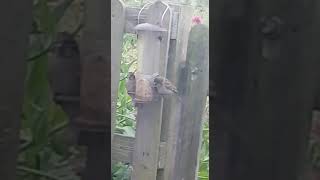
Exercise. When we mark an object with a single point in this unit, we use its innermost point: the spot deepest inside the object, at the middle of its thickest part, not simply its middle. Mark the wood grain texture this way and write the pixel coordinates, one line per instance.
(193, 86)
(170, 118)
(95, 91)
(123, 148)
(95, 105)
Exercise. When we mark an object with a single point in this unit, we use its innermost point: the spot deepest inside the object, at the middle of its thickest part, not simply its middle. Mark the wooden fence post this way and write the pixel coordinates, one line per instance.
(193, 84)
(95, 102)
(181, 26)
(266, 87)
(147, 144)
(117, 30)
(16, 18)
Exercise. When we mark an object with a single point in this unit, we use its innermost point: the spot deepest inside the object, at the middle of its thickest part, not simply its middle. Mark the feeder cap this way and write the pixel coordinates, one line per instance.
(149, 27)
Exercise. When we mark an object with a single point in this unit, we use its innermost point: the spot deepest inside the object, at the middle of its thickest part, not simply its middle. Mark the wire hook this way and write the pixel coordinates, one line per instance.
(143, 7)
(148, 4)
(164, 12)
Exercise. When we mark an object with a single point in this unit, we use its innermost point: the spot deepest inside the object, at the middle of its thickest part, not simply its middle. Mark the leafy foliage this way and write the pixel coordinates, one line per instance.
(121, 172)
(125, 111)
(203, 171)
(44, 150)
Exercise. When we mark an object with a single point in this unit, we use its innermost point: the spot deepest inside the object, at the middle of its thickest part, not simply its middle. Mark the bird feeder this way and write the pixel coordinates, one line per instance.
(144, 88)
(148, 34)
(150, 31)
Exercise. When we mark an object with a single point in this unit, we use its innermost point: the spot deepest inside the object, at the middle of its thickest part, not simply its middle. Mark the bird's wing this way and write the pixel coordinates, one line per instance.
(170, 86)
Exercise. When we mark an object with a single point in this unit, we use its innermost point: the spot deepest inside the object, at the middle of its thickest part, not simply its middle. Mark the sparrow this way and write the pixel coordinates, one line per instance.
(164, 86)
(131, 86)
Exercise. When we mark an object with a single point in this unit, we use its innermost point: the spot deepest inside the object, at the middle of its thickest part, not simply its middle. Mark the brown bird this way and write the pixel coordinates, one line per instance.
(131, 86)
(164, 86)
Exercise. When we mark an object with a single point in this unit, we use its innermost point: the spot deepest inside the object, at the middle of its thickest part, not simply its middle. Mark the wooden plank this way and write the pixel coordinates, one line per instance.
(269, 99)
(95, 91)
(117, 30)
(162, 155)
(95, 103)
(193, 94)
(177, 57)
(16, 18)
(175, 23)
(123, 147)
(223, 61)
(132, 18)
(153, 54)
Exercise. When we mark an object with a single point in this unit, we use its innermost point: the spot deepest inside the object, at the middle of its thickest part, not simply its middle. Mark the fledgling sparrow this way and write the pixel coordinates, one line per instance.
(164, 86)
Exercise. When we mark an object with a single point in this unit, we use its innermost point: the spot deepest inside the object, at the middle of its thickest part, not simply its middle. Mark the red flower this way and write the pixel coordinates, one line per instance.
(197, 20)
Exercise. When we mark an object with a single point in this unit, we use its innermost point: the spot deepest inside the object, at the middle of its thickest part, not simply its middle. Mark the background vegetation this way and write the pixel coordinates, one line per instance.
(45, 153)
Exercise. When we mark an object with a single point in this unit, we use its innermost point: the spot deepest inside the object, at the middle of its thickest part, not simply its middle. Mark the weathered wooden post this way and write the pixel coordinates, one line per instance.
(16, 18)
(266, 79)
(181, 25)
(117, 29)
(95, 102)
(153, 41)
(193, 85)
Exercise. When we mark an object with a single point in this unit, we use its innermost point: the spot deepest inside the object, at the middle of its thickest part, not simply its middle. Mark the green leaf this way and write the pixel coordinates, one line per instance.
(120, 172)
(44, 17)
